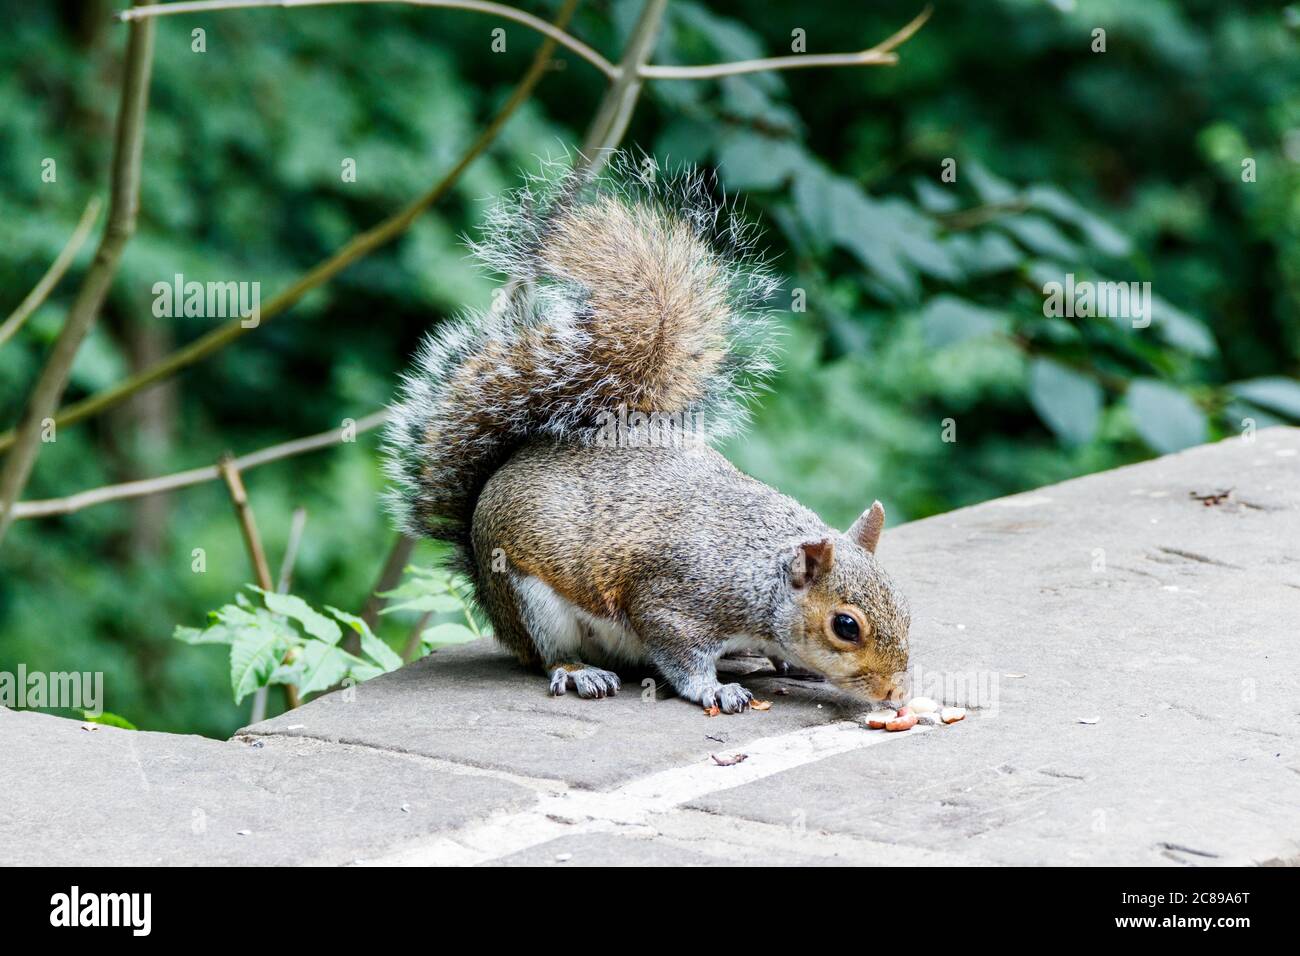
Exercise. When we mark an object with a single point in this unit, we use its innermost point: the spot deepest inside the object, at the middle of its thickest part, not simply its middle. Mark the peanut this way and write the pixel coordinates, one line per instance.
(906, 722)
(877, 719)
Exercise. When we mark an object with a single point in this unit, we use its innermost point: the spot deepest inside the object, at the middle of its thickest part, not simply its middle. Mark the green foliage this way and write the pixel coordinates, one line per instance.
(108, 720)
(266, 647)
(922, 299)
(437, 591)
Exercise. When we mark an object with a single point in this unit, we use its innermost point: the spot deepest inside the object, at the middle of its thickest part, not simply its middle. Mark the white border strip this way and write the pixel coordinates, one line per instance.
(582, 811)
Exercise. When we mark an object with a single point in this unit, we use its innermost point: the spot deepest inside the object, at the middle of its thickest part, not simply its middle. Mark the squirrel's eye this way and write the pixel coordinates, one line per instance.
(845, 627)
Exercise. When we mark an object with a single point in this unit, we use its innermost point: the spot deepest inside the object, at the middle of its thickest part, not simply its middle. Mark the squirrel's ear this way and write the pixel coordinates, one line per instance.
(811, 560)
(866, 530)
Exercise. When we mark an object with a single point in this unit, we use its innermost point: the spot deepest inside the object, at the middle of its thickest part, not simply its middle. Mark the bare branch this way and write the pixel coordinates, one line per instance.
(620, 100)
(247, 523)
(52, 275)
(359, 246)
(296, 526)
(879, 55)
(389, 577)
(566, 40)
(411, 650)
(253, 540)
(46, 507)
(123, 204)
(258, 712)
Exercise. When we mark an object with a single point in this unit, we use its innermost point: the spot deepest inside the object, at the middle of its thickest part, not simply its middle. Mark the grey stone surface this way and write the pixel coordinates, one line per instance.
(115, 797)
(1123, 598)
(473, 704)
(607, 849)
(1120, 596)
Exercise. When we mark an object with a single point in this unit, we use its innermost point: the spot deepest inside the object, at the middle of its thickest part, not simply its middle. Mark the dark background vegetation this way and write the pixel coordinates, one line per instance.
(924, 299)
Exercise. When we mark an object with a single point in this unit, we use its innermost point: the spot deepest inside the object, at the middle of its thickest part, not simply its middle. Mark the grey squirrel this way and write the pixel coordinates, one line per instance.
(562, 443)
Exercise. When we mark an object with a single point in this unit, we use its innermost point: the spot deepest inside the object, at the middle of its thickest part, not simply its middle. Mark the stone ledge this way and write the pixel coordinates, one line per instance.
(1120, 596)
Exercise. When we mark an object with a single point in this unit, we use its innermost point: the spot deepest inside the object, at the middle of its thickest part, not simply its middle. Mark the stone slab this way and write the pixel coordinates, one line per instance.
(474, 704)
(114, 797)
(1122, 597)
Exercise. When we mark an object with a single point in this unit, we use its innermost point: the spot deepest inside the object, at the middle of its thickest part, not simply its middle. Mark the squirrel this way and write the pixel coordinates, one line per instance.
(563, 444)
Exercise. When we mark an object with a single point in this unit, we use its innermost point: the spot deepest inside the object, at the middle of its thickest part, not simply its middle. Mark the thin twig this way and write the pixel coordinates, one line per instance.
(962, 219)
(567, 40)
(879, 55)
(412, 649)
(615, 108)
(124, 201)
(296, 526)
(46, 507)
(359, 246)
(247, 523)
(603, 134)
(620, 100)
(398, 556)
(52, 275)
(253, 541)
(389, 577)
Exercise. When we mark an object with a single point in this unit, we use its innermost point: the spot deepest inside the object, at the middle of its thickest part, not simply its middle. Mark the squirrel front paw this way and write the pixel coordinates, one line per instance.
(589, 682)
(729, 698)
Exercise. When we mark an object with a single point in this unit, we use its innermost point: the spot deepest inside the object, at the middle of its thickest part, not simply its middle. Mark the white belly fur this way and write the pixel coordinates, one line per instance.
(565, 632)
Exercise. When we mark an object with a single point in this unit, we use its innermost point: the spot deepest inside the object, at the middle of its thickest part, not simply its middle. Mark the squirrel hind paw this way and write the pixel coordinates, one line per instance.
(589, 682)
(729, 698)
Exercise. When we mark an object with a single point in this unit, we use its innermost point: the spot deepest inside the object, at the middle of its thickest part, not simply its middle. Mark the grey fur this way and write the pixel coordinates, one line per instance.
(638, 293)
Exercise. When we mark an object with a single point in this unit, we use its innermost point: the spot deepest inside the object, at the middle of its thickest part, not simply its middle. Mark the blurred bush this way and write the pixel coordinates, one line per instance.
(915, 310)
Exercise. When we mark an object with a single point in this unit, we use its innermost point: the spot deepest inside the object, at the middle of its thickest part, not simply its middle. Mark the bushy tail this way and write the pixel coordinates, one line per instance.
(634, 289)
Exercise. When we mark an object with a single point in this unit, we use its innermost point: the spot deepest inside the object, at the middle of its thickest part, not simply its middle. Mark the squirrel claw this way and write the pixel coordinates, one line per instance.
(729, 698)
(589, 682)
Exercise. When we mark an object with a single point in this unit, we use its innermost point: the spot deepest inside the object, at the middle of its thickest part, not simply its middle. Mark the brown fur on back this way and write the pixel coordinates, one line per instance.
(631, 294)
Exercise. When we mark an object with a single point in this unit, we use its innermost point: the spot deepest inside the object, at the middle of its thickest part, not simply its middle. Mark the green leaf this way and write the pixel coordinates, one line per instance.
(947, 320)
(364, 671)
(1068, 402)
(932, 257)
(313, 622)
(287, 673)
(1181, 330)
(426, 571)
(213, 634)
(416, 586)
(989, 187)
(372, 646)
(752, 162)
(935, 198)
(1166, 418)
(108, 720)
(429, 602)
(1280, 394)
(984, 253)
(683, 140)
(236, 617)
(1039, 236)
(323, 665)
(254, 656)
(448, 633)
(1236, 412)
(1099, 233)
